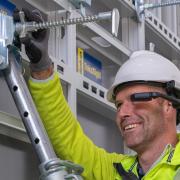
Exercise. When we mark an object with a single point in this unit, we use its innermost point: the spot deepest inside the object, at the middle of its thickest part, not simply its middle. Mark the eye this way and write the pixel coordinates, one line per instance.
(118, 105)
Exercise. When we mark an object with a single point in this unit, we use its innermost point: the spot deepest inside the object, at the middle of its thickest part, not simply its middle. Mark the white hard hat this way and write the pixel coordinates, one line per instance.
(145, 66)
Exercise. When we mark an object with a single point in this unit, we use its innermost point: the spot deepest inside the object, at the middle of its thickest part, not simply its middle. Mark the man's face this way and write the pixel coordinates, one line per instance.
(141, 123)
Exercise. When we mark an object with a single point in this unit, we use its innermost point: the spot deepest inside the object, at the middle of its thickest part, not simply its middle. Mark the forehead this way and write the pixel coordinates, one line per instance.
(128, 90)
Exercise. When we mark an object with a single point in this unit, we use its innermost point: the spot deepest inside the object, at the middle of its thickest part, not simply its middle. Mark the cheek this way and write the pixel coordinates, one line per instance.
(118, 121)
(151, 107)
(151, 113)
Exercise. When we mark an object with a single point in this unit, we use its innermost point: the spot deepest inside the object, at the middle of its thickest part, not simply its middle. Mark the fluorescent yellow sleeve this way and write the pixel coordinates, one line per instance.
(66, 135)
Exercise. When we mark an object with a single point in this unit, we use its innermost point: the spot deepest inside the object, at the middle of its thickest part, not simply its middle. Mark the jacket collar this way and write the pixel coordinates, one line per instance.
(169, 156)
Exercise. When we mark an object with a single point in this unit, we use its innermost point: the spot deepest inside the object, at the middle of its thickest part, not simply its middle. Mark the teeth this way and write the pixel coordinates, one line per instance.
(130, 126)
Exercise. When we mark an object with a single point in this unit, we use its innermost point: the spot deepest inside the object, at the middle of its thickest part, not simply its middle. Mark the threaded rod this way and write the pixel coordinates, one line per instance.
(81, 20)
(152, 6)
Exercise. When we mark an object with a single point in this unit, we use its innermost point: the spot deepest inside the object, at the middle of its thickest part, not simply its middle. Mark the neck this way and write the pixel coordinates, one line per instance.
(149, 155)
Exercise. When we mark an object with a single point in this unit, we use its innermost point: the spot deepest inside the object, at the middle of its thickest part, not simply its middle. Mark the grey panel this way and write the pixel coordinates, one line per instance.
(6, 101)
(101, 130)
(17, 160)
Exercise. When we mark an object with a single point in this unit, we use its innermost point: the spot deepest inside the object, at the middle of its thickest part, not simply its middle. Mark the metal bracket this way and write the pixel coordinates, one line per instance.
(81, 4)
(6, 38)
(141, 7)
(57, 169)
(77, 3)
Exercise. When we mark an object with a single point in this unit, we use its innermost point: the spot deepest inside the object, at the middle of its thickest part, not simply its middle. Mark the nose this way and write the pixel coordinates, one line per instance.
(126, 110)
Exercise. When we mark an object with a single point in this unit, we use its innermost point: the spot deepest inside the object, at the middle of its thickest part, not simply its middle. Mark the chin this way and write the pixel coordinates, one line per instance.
(133, 141)
(132, 145)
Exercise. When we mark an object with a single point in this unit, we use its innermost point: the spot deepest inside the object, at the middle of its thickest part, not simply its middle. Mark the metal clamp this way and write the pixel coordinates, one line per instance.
(6, 38)
(57, 169)
(81, 4)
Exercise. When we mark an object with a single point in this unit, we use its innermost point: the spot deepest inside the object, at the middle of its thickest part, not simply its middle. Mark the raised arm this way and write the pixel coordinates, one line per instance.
(64, 131)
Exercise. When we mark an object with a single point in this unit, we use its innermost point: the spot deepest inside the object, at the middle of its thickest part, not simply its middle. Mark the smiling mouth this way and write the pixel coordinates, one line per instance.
(130, 126)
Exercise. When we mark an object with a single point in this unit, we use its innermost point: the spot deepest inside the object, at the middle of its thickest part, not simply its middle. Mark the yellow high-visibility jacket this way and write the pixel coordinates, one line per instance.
(70, 142)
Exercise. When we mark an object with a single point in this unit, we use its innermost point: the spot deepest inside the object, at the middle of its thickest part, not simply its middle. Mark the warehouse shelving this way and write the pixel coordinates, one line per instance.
(84, 85)
(163, 37)
(111, 57)
(126, 9)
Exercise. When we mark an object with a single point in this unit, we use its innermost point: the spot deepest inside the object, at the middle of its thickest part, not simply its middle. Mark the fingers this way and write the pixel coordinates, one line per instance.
(26, 40)
(16, 17)
(32, 40)
(35, 15)
(16, 41)
(40, 34)
(33, 52)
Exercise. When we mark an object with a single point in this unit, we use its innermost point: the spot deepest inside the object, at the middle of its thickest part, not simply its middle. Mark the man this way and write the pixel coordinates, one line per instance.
(145, 93)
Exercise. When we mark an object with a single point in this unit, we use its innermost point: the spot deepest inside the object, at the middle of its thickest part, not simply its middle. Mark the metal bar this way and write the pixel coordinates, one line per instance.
(27, 110)
(152, 6)
(51, 168)
(33, 26)
(106, 35)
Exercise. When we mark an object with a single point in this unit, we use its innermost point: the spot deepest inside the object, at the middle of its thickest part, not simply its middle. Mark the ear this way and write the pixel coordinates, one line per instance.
(169, 111)
(168, 107)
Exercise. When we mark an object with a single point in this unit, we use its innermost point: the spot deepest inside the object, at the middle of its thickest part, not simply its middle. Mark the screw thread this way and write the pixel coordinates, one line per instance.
(169, 3)
(80, 20)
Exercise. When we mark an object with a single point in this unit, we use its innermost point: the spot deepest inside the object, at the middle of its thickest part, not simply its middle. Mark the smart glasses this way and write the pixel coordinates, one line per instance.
(148, 96)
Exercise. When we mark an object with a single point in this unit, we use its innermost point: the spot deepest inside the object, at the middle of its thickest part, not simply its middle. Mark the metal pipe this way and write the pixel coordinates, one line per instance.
(27, 110)
(51, 168)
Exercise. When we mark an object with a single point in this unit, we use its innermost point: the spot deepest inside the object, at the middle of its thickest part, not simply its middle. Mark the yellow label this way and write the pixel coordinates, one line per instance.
(80, 61)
